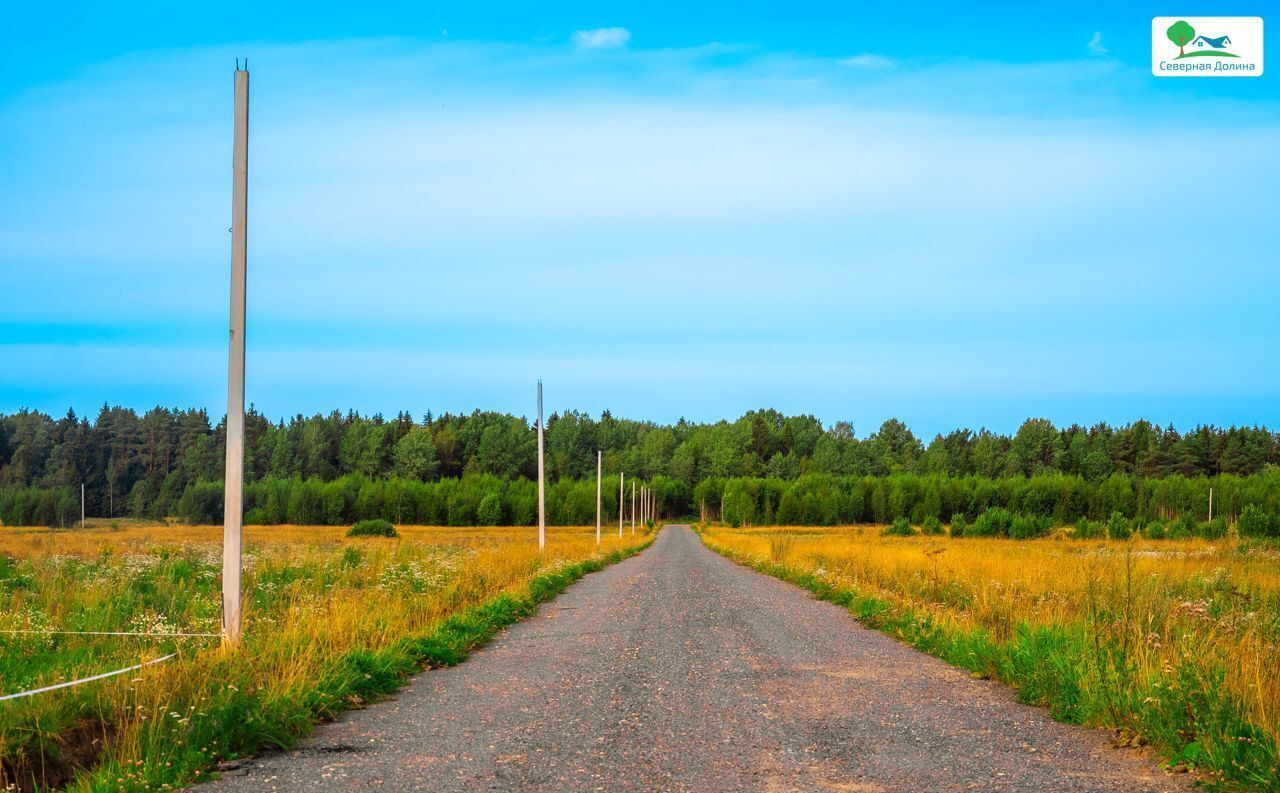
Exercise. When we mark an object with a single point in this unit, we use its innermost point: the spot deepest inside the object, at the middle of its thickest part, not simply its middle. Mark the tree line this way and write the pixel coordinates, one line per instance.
(168, 462)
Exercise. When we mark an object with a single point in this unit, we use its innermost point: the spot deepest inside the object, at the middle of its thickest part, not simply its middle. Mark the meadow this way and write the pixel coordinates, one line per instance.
(330, 622)
(1172, 643)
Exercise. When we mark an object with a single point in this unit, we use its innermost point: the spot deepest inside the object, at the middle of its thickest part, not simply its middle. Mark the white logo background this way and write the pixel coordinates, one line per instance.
(1246, 42)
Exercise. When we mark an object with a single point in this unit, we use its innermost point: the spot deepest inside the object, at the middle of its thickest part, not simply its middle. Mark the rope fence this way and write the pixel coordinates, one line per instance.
(71, 683)
(104, 675)
(112, 633)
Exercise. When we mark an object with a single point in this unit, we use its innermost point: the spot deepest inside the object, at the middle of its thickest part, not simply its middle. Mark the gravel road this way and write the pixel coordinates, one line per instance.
(679, 670)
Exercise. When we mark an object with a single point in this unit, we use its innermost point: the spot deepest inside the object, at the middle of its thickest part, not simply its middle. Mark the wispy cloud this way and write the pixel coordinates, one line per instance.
(1095, 45)
(867, 60)
(601, 38)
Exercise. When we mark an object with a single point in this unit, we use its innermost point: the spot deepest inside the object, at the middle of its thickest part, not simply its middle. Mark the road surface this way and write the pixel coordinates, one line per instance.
(679, 670)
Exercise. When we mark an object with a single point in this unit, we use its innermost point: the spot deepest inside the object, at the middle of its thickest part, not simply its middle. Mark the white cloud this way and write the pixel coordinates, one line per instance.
(867, 60)
(601, 38)
(1095, 44)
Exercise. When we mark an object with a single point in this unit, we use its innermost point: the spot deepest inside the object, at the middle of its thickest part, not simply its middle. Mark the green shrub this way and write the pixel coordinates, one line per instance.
(931, 525)
(958, 525)
(901, 527)
(376, 527)
(1118, 527)
(489, 513)
(1157, 529)
(1185, 526)
(1256, 522)
(1090, 529)
(1214, 529)
(995, 522)
(1026, 527)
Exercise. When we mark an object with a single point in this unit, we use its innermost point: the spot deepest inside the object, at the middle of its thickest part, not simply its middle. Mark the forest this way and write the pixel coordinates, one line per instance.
(479, 468)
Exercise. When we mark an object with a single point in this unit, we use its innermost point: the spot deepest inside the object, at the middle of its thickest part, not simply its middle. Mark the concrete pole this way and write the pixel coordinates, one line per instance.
(233, 507)
(622, 483)
(542, 481)
(1211, 504)
(633, 506)
(599, 484)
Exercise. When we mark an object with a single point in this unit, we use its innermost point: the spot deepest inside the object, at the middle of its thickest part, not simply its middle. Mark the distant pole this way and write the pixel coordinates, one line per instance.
(542, 492)
(1211, 504)
(622, 483)
(233, 506)
(633, 506)
(599, 484)
(82, 505)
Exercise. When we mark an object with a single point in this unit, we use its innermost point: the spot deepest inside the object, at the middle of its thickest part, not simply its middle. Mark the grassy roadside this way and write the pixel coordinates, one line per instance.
(244, 723)
(1173, 692)
(337, 623)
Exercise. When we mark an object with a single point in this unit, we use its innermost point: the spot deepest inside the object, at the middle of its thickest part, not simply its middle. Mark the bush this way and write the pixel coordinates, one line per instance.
(1090, 529)
(995, 522)
(1255, 522)
(1026, 527)
(1185, 526)
(489, 512)
(958, 525)
(1157, 529)
(1118, 527)
(1214, 529)
(931, 526)
(901, 527)
(376, 527)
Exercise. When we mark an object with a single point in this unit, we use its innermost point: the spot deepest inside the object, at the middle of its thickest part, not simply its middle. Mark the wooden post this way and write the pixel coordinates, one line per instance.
(599, 484)
(233, 505)
(542, 480)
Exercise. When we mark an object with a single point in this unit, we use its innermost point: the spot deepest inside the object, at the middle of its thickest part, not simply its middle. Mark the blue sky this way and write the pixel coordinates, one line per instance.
(956, 215)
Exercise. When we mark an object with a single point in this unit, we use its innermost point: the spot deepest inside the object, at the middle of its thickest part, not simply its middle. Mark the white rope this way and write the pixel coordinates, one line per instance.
(70, 683)
(113, 633)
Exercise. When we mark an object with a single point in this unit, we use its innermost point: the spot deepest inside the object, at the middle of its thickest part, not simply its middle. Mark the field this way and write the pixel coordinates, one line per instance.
(330, 622)
(1171, 643)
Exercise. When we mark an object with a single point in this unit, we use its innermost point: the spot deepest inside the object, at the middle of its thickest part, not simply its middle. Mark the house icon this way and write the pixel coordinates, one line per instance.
(1217, 44)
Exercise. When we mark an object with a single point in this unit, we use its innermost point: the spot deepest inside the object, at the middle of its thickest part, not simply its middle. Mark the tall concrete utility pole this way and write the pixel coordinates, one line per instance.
(622, 484)
(599, 474)
(233, 507)
(542, 480)
(633, 506)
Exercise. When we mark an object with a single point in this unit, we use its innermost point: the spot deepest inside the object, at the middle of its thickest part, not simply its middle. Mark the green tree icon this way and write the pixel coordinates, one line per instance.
(1181, 33)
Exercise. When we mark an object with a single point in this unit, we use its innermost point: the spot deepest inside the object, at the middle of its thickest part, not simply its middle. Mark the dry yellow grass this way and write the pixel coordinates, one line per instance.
(1174, 641)
(326, 619)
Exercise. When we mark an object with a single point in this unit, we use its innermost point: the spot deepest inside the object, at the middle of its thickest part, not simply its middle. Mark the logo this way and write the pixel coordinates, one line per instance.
(1206, 46)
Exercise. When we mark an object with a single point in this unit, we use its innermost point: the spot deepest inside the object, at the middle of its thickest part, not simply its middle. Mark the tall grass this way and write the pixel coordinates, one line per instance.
(1172, 643)
(329, 622)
